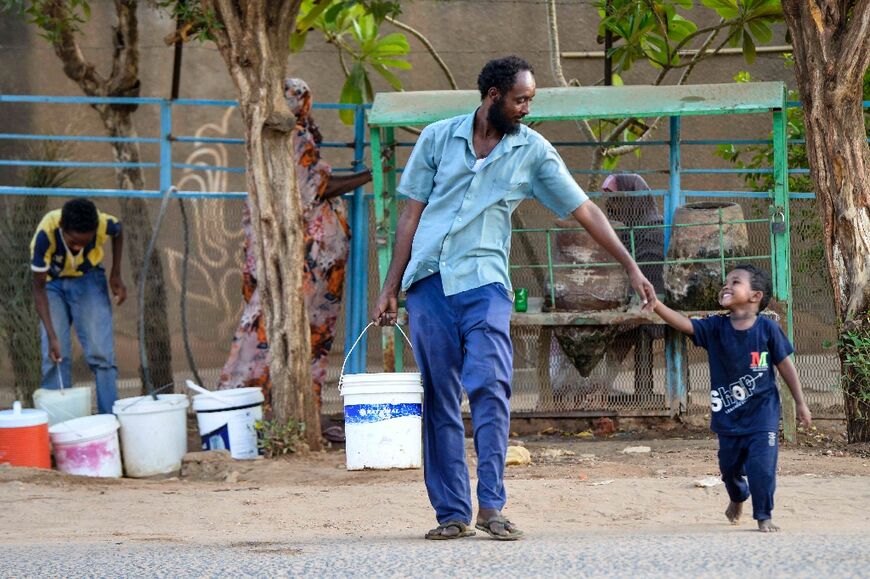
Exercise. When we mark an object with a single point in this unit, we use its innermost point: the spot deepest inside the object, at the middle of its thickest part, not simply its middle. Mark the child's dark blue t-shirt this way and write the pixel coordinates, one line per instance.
(744, 398)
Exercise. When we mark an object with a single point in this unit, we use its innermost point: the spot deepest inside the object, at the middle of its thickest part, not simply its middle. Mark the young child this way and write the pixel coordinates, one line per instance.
(743, 349)
(69, 289)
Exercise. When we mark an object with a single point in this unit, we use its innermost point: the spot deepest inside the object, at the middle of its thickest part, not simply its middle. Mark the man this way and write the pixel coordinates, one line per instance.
(463, 180)
(69, 289)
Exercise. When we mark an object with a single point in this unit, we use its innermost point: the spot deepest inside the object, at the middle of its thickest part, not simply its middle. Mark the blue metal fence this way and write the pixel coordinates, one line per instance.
(357, 279)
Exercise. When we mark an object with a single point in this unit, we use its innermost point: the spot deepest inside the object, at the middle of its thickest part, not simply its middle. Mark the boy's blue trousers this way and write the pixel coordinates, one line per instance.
(82, 303)
(753, 457)
(463, 341)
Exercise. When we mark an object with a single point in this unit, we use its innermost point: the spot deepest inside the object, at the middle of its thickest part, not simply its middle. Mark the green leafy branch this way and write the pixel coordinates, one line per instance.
(354, 29)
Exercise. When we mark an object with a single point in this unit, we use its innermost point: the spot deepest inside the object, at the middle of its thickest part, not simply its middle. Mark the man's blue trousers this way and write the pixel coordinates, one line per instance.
(463, 341)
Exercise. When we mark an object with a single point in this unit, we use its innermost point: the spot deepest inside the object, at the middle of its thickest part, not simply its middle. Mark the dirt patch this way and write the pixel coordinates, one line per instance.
(571, 481)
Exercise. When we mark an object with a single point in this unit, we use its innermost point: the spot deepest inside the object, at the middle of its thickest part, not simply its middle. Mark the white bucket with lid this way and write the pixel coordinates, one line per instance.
(63, 404)
(87, 446)
(226, 420)
(383, 417)
(153, 433)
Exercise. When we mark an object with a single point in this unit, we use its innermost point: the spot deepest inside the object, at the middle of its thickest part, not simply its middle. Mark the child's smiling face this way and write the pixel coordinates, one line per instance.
(737, 290)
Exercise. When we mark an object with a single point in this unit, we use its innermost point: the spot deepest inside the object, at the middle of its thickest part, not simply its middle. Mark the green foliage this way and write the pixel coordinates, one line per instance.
(278, 439)
(855, 350)
(353, 28)
(49, 18)
(656, 30)
(19, 216)
(196, 23)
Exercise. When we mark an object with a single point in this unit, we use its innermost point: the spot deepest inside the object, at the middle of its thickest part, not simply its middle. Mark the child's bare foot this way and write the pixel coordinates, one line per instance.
(733, 512)
(767, 526)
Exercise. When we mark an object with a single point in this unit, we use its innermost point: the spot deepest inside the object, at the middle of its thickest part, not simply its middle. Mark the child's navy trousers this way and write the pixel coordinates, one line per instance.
(748, 467)
(463, 341)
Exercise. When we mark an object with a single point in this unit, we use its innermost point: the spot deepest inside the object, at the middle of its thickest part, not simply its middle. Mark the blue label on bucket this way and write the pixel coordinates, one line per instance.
(362, 413)
(217, 439)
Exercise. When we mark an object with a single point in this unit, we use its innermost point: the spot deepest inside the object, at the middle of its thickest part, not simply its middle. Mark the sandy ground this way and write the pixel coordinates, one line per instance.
(571, 484)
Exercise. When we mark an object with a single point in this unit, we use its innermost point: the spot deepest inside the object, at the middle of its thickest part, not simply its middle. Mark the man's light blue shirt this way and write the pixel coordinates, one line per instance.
(465, 229)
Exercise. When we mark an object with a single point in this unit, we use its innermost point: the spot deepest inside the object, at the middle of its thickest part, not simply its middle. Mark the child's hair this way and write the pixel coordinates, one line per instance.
(759, 281)
(79, 215)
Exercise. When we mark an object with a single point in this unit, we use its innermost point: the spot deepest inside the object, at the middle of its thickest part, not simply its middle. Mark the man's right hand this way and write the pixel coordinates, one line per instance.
(54, 350)
(386, 310)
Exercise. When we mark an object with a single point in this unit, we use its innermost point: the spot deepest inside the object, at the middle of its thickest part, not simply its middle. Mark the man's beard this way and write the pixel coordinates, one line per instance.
(497, 118)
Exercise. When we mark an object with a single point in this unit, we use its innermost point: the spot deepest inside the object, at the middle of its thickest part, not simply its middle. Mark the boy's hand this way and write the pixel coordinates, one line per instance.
(54, 350)
(803, 414)
(119, 290)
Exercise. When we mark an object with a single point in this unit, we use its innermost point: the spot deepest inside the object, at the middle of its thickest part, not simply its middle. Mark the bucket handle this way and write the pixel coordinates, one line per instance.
(349, 352)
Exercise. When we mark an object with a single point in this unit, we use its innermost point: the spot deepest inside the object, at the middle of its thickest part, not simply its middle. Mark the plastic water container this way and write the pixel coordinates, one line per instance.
(24, 437)
(383, 418)
(153, 433)
(87, 446)
(226, 420)
(63, 404)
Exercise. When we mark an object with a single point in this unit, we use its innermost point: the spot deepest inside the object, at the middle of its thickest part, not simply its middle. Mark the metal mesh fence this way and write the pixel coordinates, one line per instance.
(627, 378)
(214, 306)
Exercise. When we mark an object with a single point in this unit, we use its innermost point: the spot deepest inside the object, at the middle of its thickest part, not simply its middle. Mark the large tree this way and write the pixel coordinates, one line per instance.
(831, 41)
(253, 37)
(59, 21)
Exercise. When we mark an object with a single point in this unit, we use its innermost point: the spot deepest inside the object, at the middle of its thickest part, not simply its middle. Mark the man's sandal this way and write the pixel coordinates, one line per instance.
(513, 532)
(437, 534)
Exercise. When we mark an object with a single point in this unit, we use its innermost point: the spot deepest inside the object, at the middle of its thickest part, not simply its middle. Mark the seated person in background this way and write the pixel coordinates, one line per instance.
(69, 290)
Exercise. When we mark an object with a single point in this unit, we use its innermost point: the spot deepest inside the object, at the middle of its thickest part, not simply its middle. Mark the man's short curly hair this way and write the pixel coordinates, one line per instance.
(501, 73)
(79, 215)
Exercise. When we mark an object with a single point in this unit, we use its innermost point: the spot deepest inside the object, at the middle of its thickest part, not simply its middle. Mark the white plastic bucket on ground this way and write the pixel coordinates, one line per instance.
(383, 418)
(87, 446)
(153, 433)
(63, 404)
(226, 420)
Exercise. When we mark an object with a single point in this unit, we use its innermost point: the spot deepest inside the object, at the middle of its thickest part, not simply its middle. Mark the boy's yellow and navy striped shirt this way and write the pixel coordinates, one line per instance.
(49, 253)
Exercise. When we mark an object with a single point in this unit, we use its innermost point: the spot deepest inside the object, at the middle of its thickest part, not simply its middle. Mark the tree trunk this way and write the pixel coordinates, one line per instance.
(831, 52)
(254, 40)
(136, 221)
(276, 216)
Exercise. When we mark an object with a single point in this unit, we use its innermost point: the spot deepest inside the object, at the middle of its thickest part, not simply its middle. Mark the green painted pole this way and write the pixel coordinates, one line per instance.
(382, 237)
(391, 207)
(782, 251)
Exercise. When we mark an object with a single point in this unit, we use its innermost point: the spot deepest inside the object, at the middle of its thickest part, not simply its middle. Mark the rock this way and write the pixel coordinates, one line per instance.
(581, 476)
(710, 481)
(555, 453)
(232, 477)
(604, 427)
(518, 456)
(636, 450)
(210, 465)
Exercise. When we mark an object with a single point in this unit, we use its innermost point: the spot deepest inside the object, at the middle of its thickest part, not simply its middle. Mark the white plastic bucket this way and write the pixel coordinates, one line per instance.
(63, 404)
(383, 418)
(226, 420)
(153, 433)
(87, 446)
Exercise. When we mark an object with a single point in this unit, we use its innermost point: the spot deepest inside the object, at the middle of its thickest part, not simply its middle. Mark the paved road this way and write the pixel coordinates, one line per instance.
(733, 553)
